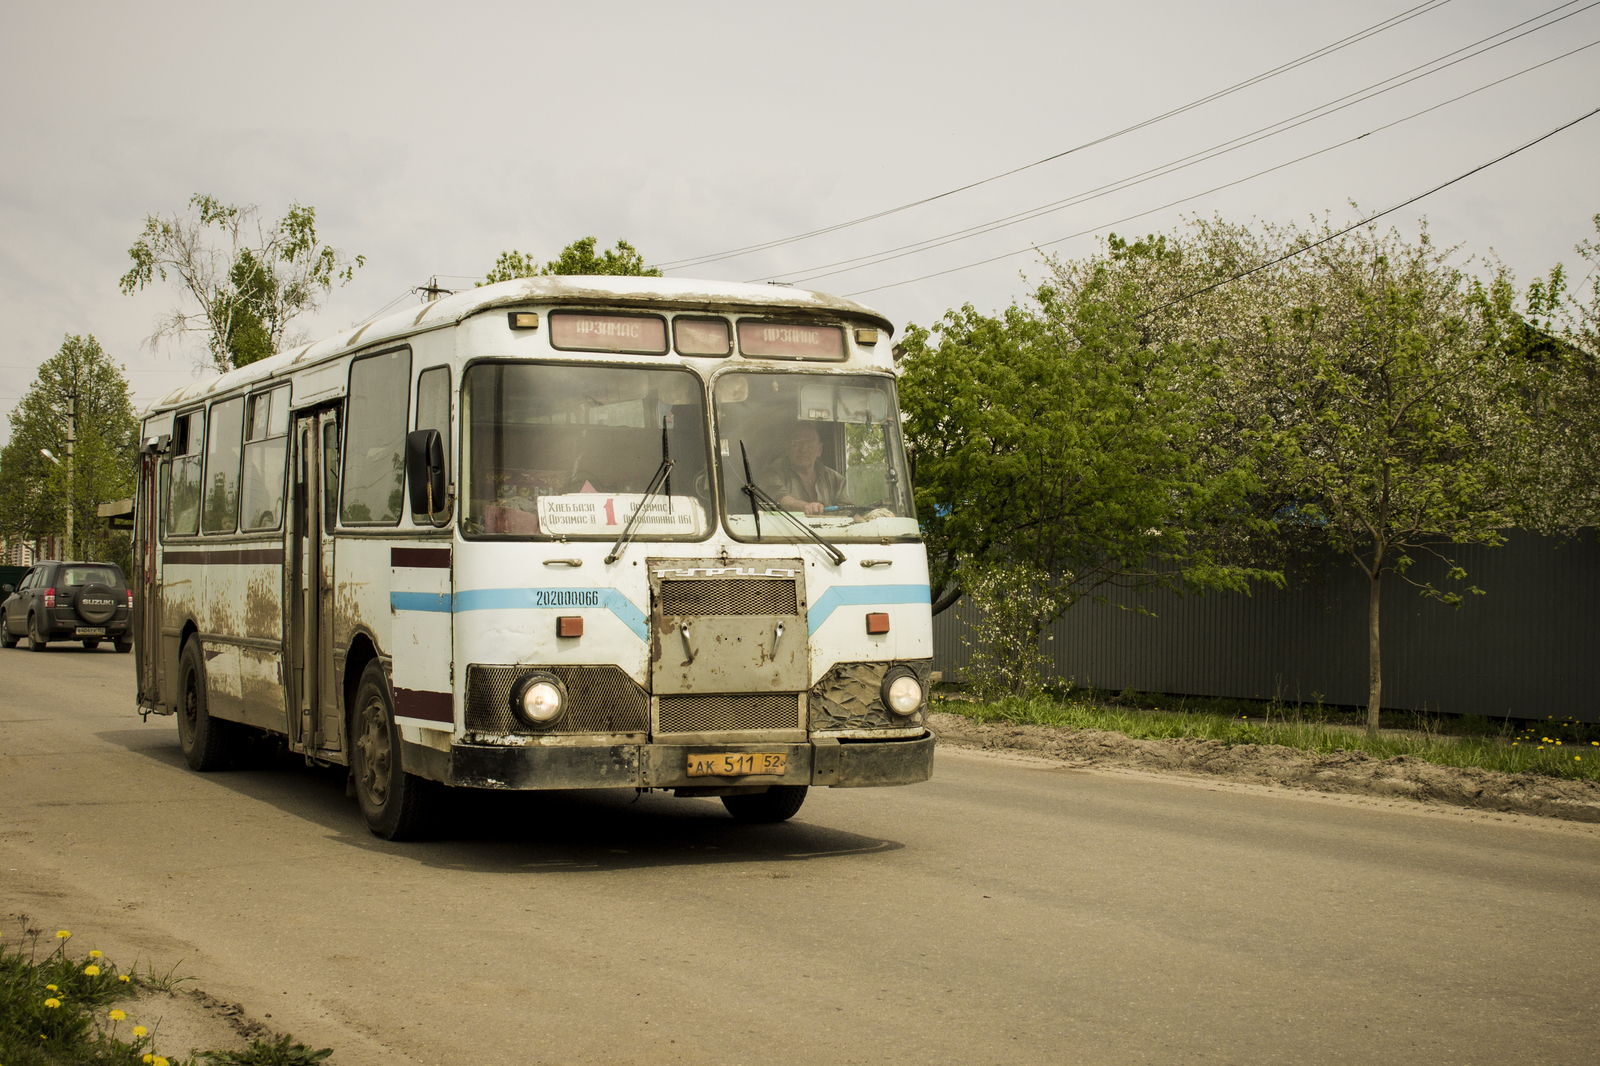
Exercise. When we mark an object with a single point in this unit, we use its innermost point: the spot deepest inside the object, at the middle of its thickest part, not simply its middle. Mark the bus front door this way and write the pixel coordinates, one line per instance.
(315, 724)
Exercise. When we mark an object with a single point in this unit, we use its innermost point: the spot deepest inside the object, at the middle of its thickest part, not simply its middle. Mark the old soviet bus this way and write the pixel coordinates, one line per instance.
(550, 533)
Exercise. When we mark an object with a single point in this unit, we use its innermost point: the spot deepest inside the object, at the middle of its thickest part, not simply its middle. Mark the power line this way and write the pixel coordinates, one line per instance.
(1172, 167)
(1309, 57)
(1273, 262)
(1372, 217)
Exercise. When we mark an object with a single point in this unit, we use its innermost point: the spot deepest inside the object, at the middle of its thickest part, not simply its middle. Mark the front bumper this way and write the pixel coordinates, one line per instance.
(822, 762)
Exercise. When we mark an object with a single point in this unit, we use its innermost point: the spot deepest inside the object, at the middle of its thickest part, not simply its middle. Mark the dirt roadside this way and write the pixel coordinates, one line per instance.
(1345, 773)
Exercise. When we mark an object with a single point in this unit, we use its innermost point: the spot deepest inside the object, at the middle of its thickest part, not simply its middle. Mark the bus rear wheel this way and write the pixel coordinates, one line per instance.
(777, 804)
(393, 801)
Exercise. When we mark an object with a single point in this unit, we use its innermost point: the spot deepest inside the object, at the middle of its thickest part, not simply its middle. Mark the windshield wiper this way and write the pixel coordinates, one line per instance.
(759, 499)
(663, 476)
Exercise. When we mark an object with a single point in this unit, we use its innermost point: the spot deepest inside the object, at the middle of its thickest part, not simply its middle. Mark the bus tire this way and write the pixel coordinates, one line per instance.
(208, 743)
(777, 804)
(394, 802)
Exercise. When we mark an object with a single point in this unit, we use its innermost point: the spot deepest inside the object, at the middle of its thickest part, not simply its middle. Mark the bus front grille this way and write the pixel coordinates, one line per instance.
(718, 714)
(600, 699)
(758, 596)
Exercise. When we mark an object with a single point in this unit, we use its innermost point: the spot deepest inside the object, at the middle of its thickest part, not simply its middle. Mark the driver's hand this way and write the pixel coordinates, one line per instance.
(880, 512)
(813, 508)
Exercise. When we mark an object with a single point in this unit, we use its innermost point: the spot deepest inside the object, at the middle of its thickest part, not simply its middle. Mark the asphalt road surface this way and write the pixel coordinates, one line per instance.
(1005, 912)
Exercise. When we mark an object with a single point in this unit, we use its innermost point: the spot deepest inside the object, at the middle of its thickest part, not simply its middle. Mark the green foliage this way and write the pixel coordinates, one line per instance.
(579, 257)
(1010, 598)
(1062, 439)
(33, 490)
(1561, 340)
(247, 292)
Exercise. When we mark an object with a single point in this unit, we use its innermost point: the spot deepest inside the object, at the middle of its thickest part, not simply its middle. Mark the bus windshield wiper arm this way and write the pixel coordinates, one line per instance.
(759, 499)
(663, 476)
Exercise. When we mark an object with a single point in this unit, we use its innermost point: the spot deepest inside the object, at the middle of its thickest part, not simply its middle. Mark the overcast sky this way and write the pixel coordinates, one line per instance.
(430, 137)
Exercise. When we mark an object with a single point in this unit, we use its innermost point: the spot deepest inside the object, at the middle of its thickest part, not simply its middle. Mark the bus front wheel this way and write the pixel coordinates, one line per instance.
(393, 801)
(208, 743)
(777, 804)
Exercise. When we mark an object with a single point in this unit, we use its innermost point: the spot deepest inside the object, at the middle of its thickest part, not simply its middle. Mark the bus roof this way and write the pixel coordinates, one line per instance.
(573, 290)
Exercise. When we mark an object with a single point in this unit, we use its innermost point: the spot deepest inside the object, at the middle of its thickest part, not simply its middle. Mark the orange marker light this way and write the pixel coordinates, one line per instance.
(569, 626)
(877, 623)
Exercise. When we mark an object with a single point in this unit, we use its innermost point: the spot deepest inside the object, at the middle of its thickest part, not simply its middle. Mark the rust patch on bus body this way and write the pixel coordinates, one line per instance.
(219, 619)
(263, 609)
(347, 617)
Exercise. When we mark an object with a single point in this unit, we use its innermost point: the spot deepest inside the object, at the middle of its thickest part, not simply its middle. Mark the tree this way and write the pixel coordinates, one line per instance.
(1561, 340)
(246, 293)
(576, 258)
(1389, 409)
(33, 490)
(1058, 450)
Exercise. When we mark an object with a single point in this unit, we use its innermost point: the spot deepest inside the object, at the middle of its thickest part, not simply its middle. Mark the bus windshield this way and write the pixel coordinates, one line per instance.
(824, 450)
(571, 451)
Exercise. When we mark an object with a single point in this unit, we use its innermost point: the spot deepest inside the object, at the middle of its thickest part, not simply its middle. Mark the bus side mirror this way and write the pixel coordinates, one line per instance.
(425, 471)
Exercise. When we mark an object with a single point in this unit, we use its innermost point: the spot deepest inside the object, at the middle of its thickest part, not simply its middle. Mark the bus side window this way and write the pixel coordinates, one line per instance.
(183, 516)
(374, 485)
(266, 453)
(330, 475)
(221, 514)
(433, 412)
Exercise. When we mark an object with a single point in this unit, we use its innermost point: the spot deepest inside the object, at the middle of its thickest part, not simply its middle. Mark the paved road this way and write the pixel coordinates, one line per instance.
(1006, 912)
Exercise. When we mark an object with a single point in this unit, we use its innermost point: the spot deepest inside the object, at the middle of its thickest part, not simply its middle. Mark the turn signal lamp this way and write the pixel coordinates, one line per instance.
(523, 319)
(877, 623)
(569, 626)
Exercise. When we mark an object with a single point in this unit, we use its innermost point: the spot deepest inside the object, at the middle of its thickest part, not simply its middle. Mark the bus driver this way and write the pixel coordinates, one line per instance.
(799, 481)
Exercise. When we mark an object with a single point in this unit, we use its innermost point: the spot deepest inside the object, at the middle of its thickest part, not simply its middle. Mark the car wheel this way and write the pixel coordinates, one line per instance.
(208, 743)
(91, 644)
(6, 639)
(35, 642)
(394, 802)
(777, 804)
(123, 646)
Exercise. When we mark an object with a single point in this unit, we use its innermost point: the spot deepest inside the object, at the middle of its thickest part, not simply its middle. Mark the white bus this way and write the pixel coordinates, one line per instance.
(552, 533)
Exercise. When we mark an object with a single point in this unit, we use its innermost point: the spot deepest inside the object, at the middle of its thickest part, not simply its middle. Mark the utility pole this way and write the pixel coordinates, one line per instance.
(72, 439)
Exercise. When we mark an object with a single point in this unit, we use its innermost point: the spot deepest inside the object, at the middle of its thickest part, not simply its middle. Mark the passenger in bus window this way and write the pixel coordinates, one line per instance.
(799, 480)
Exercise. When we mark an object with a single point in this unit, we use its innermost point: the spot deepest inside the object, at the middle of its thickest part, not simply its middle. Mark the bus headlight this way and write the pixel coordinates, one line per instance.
(538, 698)
(902, 692)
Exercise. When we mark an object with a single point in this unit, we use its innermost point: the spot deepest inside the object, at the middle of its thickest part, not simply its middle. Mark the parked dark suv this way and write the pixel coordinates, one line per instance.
(90, 602)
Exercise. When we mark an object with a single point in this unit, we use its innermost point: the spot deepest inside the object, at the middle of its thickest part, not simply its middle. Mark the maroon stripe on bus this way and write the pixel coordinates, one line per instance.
(425, 558)
(429, 706)
(223, 557)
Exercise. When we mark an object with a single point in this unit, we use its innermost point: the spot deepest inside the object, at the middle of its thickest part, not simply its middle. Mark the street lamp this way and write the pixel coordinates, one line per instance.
(46, 453)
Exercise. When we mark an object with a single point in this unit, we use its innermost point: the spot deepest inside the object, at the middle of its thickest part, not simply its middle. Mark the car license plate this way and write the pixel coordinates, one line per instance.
(737, 763)
(87, 631)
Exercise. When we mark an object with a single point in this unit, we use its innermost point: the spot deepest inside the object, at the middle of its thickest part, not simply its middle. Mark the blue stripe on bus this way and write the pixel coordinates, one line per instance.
(862, 596)
(515, 599)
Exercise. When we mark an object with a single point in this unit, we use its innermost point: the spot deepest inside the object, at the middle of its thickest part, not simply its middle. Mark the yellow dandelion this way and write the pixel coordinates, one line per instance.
(62, 934)
(124, 978)
(52, 1003)
(96, 955)
(92, 970)
(148, 1059)
(159, 1061)
(140, 1030)
(51, 988)
(117, 1015)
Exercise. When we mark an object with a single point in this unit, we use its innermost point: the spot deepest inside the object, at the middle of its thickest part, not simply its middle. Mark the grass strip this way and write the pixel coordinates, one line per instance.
(61, 1011)
(1564, 749)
